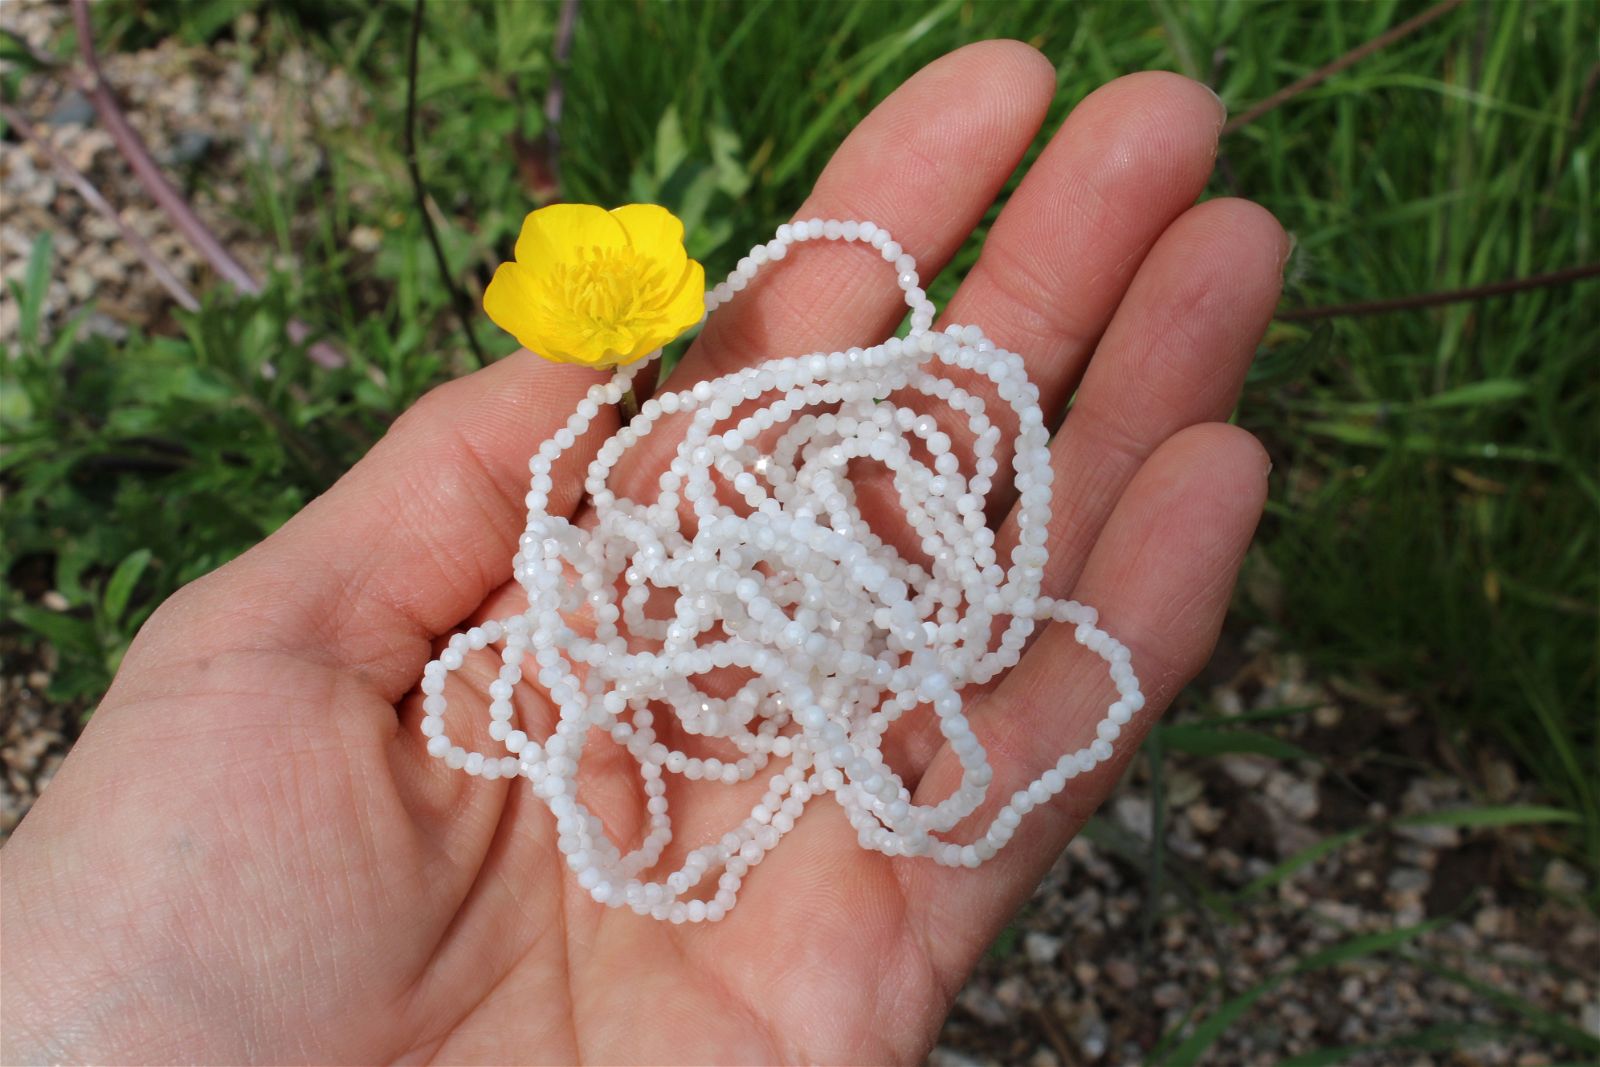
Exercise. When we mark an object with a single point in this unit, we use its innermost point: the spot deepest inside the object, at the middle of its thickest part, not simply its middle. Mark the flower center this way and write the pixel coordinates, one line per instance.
(610, 287)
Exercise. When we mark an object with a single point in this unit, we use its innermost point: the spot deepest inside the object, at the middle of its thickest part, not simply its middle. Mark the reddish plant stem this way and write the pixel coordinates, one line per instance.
(555, 97)
(419, 191)
(1444, 296)
(86, 189)
(91, 81)
(1349, 59)
(149, 173)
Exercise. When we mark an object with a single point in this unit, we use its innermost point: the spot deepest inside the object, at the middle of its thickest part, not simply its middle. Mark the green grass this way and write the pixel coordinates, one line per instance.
(1433, 520)
(1434, 513)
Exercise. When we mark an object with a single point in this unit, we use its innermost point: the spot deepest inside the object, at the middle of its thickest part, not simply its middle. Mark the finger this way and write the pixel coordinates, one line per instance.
(1127, 161)
(1174, 356)
(407, 543)
(925, 164)
(1161, 577)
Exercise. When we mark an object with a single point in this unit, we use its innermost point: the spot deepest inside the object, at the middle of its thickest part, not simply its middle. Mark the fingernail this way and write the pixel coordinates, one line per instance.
(1290, 243)
(1222, 107)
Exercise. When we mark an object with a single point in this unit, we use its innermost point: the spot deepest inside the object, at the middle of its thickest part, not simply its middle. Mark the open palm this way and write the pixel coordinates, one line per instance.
(249, 855)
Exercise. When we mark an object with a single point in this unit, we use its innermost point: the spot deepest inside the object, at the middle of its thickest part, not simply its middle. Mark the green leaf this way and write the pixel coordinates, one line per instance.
(1335, 1056)
(1472, 395)
(1477, 394)
(15, 50)
(671, 149)
(1216, 741)
(1300, 860)
(883, 54)
(693, 204)
(1005, 945)
(732, 178)
(1443, 1038)
(1368, 945)
(205, 19)
(1216, 1024)
(1363, 435)
(1508, 815)
(1285, 711)
(1537, 1019)
(122, 583)
(67, 632)
(35, 283)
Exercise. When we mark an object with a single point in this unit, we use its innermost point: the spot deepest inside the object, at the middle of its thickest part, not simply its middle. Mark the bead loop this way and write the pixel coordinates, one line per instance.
(779, 577)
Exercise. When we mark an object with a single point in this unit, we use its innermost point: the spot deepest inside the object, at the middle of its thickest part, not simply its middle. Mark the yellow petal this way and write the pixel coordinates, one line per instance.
(687, 305)
(559, 231)
(511, 302)
(654, 232)
(572, 340)
(637, 349)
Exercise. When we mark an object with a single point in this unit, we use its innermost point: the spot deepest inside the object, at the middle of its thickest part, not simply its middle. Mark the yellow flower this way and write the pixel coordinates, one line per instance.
(597, 287)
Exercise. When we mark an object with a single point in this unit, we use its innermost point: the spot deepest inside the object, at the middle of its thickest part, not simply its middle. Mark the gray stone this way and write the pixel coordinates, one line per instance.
(73, 109)
(1041, 948)
(1562, 877)
(1248, 771)
(1294, 796)
(1410, 880)
(1134, 814)
(944, 1056)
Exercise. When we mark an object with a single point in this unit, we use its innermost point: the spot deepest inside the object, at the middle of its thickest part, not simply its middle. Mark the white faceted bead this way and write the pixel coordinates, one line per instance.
(837, 634)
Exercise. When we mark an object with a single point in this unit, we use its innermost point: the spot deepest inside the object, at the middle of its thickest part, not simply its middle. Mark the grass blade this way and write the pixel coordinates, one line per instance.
(1300, 860)
(1507, 815)
(1200, 740)
(1539, 1021)
(1213, 1026)
(883, 55)
(121, 585)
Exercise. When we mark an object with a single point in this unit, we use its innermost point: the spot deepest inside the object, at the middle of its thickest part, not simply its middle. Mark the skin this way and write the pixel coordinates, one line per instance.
(249, 856)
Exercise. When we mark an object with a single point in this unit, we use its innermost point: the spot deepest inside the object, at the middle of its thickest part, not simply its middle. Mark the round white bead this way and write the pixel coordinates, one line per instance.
(837, 634)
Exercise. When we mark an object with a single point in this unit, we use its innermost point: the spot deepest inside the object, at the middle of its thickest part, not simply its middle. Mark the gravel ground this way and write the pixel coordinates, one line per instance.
(1100, 964)
(36, 732)
(213, 127)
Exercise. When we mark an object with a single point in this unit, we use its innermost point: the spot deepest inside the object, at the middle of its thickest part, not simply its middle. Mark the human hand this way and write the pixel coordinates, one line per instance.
(250, 857)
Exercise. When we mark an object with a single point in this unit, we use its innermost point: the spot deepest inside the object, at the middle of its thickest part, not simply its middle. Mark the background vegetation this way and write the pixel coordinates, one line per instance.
(1433, 524)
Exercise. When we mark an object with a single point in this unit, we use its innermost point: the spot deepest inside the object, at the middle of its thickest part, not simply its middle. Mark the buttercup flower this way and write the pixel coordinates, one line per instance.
(596, 287)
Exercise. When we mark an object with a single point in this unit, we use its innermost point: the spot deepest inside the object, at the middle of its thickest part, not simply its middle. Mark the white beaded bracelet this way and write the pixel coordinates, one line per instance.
(839, 635)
